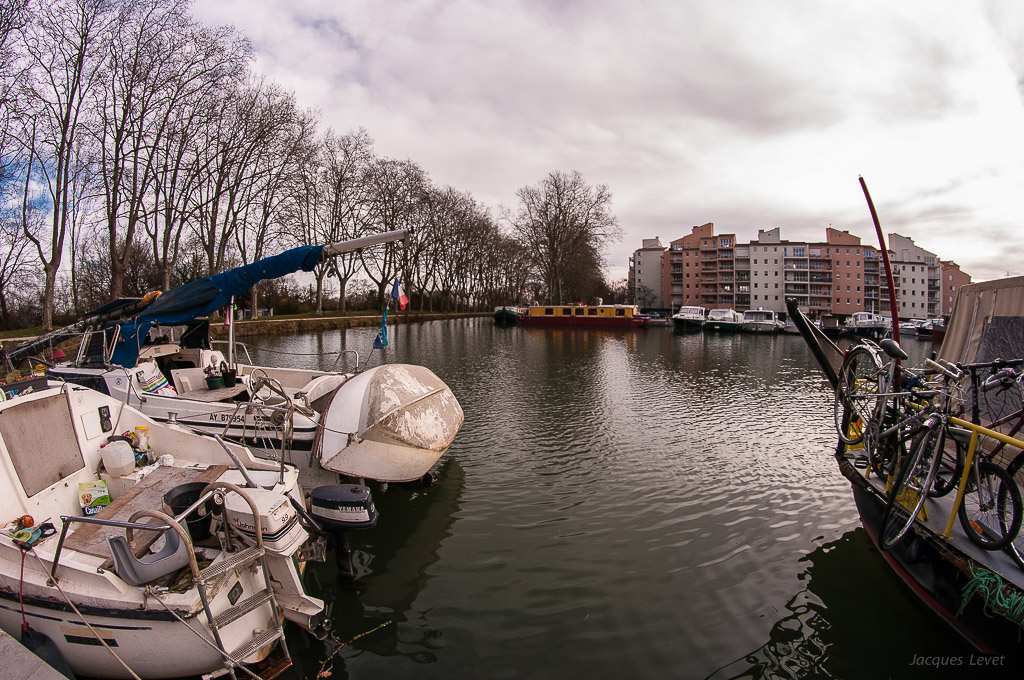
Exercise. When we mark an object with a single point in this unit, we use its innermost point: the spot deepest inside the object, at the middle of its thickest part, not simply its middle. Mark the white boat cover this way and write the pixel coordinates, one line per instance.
(390, 423)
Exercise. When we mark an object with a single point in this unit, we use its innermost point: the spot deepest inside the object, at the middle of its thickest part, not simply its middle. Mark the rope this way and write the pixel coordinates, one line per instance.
(996, 597)
(150, 591)
(325, 669)
(84, 621)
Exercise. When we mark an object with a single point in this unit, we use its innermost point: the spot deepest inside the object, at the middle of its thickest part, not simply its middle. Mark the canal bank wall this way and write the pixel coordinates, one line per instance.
(271, 326)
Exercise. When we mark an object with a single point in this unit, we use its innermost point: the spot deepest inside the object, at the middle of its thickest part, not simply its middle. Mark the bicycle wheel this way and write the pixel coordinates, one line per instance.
(991, 512)
(1016, 471)
(910, 488)
(951, 463)
(856, 399)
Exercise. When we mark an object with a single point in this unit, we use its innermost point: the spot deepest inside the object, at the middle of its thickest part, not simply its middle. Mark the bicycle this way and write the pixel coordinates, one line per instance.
(988, 502)
(875, 401)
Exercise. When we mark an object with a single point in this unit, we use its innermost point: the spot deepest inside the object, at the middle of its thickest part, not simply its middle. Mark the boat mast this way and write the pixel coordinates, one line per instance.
(885, 260)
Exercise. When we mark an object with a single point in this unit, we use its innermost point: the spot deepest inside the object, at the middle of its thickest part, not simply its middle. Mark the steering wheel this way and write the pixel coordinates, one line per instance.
(258, 376)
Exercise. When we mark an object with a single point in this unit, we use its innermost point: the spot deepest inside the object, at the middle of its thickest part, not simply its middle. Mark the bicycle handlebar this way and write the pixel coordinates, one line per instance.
(1000, 378)
(950, 371)
(996, 363)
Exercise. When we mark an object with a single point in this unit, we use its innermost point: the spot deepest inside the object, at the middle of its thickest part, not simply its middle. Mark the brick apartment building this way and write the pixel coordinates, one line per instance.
(839, 275)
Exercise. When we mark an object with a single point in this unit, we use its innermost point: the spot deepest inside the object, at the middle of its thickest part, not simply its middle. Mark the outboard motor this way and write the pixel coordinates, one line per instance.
(340, 509)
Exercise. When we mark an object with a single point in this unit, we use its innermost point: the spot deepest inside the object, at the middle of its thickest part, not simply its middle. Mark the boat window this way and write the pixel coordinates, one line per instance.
(566, 311)
(579, 311)
(548, 311)
(591, 312)
(620, 312)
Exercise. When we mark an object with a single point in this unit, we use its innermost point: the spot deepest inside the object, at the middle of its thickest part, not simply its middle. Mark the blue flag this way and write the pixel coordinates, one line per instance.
(381, 341)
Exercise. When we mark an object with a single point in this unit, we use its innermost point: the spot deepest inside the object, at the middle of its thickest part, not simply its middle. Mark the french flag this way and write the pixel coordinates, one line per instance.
(399, 294)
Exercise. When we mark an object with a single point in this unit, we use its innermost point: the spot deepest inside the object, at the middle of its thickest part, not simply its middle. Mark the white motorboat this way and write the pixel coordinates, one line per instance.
(689, 318)
(727, 320)
(868, 325)
(197, 594)
(761, 321)
(157, 356)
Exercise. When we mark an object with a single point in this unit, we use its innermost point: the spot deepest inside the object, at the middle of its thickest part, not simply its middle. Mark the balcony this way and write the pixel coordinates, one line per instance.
(821, 278)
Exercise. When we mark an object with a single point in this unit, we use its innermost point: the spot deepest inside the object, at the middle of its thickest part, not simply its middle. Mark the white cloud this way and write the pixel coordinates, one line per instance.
(750, 115)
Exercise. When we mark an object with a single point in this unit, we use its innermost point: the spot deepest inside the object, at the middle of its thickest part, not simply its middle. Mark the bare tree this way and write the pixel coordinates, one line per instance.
(346, 162)
(397, 187)
(277, 165)
(207, 61)
(644, 296)
(561, 221)
(64, 48)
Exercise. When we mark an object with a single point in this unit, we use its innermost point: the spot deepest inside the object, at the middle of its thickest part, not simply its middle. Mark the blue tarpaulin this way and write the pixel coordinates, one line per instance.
(201, 297)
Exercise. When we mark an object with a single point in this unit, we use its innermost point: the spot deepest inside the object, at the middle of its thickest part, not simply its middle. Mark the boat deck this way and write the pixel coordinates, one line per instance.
(91, 539)
(937, 511)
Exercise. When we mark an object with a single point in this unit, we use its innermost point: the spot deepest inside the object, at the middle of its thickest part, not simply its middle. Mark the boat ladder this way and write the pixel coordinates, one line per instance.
(245, 557)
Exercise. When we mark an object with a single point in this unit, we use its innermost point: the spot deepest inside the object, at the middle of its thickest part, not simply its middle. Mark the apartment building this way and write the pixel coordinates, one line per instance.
(920, 277)
(952, 281)
(684, 263)
(838, 276)
(646, 274)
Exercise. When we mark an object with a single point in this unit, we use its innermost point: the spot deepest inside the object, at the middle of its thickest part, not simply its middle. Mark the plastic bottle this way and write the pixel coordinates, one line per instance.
(118, 458)
(142, 432)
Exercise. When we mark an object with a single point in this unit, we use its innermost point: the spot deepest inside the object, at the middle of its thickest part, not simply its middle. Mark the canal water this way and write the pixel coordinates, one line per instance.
(638, 504)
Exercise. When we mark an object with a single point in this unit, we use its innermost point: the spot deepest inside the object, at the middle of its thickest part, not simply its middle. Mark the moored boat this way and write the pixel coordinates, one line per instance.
(157, 355)
(508, 315)
(867, 325)
(975, 591)
(689, 319)
(725, 320)
(615, 316)
(194, 595)
(829, 325)
(761, 320)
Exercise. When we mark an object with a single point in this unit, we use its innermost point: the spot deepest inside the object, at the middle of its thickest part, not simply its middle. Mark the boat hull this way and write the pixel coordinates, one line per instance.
(152, 643)
(723, 326)
(506, 317)
(583, 322)
(923, 562)
(758, 327)
(688, 325)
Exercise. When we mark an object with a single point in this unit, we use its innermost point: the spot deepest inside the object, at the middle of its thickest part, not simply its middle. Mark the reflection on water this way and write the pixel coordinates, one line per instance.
(618, 504)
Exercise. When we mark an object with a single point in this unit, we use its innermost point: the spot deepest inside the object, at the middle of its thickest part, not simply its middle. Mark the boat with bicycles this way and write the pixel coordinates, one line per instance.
(943, 510)
(388, 423)
(181, 563)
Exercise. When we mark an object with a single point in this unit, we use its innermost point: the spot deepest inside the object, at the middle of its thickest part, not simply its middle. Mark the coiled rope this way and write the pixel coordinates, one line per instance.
(997, 598)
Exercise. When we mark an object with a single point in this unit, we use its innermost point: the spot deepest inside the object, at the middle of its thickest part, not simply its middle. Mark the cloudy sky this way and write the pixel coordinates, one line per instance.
(751, 115)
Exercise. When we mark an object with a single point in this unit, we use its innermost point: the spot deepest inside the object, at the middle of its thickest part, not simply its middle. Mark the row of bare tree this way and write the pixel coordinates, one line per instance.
(139, 150)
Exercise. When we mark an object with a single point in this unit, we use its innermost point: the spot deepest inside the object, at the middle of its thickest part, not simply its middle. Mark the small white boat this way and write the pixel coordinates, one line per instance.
(726, 320)
(689, 318)
(761, 321)
(98, 577)
(868, 325)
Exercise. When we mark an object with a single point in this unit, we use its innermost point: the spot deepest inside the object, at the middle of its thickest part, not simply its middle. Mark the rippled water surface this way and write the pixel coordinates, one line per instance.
(617, 505)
